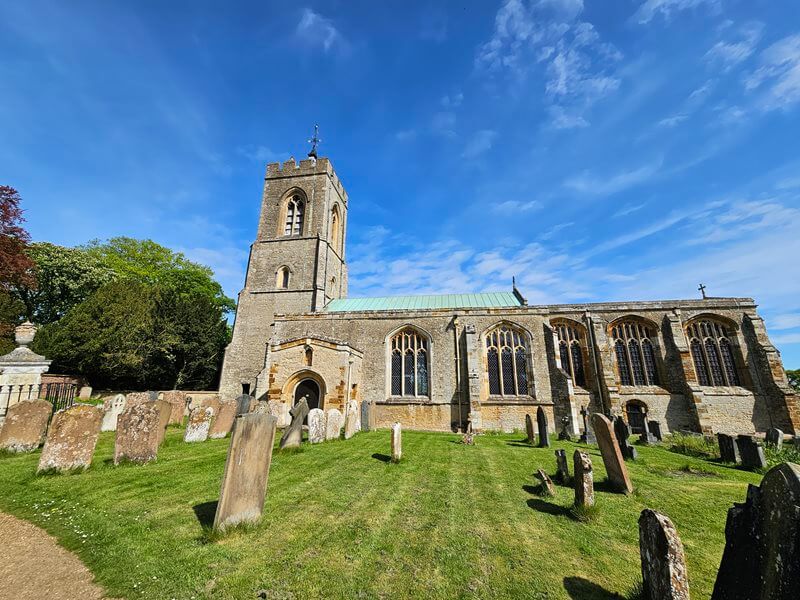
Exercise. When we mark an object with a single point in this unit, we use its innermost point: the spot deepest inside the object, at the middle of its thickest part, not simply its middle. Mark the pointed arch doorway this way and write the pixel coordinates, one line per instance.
(310, 389)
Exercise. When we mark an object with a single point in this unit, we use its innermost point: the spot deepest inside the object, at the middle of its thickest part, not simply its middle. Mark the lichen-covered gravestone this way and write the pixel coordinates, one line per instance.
(177, 402)
(280, 410)
(664, 574)
(352, 419)
(25, 425)
(113, 409)
(612, 456)
(728, 449)
(246, 475)
(223, 421)
(761, 560)
(293, 435)
(545, 483)
(138, 433)
(316, 426)
(334, 421)
(199, 424)
(622, 431)
(134, 398)
(583, 479)
(541, 421)
(530, 434)
(562, 466)
(71, 439)
(774, 438)
(397, 443)
(751, 451)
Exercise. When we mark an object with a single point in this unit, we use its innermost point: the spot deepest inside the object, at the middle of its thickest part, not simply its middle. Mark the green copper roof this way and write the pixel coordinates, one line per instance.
(485, 300)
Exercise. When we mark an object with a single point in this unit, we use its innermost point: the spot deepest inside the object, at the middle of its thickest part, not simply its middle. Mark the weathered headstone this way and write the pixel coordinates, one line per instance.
(177, 401)
(583, 479)
(85, 392)
(351, 419)
(293, 435)
(281, 411)
(138, 433)
(199, 424)
(134, 398)
(243, 404)
(664, 574)
(655, 429)
(25, 425)
(564, 434)
(562, 466)
(728, 449)
(541, 421)
(113, 409)
(530, 434)
(622, 432)
(244, 481)
(71, 438)
(546, 484)
(316, 426)
(223, 420)
(761, 560)
(366, 415)
(751, 452)
(164, 413)
(397, 443)
(211, 401)
(647, 436)
(774, 438)
(334, 421)
(612, 456)
(587, 437)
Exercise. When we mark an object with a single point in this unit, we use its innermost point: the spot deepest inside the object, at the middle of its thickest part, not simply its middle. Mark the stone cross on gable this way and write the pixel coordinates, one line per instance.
(702, 290)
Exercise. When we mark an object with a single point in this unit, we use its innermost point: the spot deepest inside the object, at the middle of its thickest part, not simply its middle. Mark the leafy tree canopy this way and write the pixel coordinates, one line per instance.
(15, 266)
(793, 375)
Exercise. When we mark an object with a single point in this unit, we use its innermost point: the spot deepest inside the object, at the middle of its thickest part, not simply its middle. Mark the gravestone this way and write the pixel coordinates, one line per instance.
(564, 434)
(583, 479)
(246, 474)
(281, 411)
(664, 574)
(622, 432)
(85, 392)
(316, 426)
(113, 409)
(243, 404)
(612, 456)
(647, 436)
(351, 419)
(366, 415)
(177, 401)
(751, 452)
(562, 466)
(655, 429)
(164, 413)
(546, 484)
(529, 431)
(25, 425)
(138, 433)
(223, 421)
(761, 560)
(541, 421)
(334, 421)
(199, 424)
(71, 439)
(587, 437)
(293, 435)
(134, 398)
(728, 449)
(205, 401)
(397, 443)
(774, 438)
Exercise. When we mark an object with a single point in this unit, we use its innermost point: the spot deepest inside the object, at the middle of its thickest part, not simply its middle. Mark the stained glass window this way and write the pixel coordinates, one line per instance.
(713, 353)
(409, 364)
(507, 362)
(635, 352)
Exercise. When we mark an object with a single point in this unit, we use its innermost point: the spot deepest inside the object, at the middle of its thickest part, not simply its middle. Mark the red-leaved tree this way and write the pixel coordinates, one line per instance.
(15, 266)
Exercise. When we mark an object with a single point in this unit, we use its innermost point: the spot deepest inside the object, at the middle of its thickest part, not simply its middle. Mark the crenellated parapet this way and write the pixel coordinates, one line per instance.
(306, 167)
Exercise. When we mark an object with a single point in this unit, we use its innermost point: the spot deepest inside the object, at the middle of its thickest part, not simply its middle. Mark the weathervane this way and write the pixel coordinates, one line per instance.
(314, 141)
(702, 289)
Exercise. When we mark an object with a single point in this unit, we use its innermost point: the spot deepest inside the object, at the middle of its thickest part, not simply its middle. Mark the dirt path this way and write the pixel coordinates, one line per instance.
(34, 566)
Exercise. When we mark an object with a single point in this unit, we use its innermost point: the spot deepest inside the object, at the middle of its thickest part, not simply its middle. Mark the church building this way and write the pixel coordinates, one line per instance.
(440, 362)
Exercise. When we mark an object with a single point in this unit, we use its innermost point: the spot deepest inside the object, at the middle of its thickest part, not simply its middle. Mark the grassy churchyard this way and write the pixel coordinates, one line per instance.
(341, 521)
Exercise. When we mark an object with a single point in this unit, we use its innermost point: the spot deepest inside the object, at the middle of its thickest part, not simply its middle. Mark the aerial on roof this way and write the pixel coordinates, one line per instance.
(484, 300)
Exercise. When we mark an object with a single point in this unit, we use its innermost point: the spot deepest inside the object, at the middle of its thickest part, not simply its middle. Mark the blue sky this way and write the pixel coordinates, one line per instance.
(596, 149)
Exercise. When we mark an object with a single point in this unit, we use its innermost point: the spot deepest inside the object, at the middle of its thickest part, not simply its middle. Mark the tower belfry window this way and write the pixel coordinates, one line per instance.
(294, 216)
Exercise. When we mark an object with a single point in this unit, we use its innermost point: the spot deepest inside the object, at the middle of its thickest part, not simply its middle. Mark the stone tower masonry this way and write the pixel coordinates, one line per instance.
(296, 265)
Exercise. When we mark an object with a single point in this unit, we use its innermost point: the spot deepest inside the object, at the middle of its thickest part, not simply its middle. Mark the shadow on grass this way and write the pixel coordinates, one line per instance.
(579, 588)
(521, 444)
(549, 508)
(382, 457)
(205, 513)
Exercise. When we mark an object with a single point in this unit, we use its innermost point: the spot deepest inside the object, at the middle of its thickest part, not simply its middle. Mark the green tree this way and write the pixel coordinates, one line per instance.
(793, 375)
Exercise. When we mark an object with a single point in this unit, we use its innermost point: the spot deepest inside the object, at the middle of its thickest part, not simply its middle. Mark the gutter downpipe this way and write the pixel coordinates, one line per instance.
(458, 372)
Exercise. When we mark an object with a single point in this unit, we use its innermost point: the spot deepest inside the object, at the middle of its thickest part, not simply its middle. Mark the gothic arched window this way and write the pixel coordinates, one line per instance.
(295, 209)
(634, 349)
(507, 361)
(335, 226)
(712, 353)
(282, 278)
(570, 349)
(409, 364)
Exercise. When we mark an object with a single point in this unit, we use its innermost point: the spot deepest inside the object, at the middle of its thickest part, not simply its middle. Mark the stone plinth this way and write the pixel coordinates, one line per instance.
(21, 371)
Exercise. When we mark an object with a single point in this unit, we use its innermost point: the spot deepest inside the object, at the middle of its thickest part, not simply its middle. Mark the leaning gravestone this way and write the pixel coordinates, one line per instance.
(293, 435)
(761, 560)
(397, 443)
(664, 574)
(546, 484)
(177, 402)
(113, 408)
(541, 421)
(562, 466)
(366, 415)
(612, 456)
(774, 438)
(223, 421)
(622, 432)
(587, 437)
(244, 481)
(138, 433)
(583, 480)
(728, 449)
(243, 404)
(751, 451)
(25, 425)
(71, 439)
(530, 434)
(351, 419)
(334, 421)
(199, 424)
(655, 429)
(316, 426)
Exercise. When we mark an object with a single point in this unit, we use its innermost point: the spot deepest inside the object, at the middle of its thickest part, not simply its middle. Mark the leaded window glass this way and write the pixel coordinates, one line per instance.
(650, 361)
(507, 362)
(635, 352)
(409, 364)
(577, 365)
(570, 349)
(712, 353)
(294, 216)
(622, 363)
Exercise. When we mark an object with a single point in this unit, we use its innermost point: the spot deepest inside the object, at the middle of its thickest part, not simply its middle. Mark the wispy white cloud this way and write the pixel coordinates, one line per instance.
(650, 9)
(316, 30)
(673, 121)
(480, 143)
(728, 54)
(628, 209)
(261, 154)
(517, 206)
(605, 186)
(778, 76)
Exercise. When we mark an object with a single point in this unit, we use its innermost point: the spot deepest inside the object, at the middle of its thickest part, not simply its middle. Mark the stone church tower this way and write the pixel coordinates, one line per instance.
(296, 264)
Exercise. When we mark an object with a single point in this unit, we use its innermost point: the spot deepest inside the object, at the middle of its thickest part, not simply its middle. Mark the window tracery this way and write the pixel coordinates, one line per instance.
(712, 353)
(295, 208)
(570, 349)
(507, 361)
(635, 353)
(409, 364)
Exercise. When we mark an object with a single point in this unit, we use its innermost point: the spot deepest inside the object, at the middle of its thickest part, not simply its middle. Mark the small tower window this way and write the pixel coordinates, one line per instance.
(309, 357)
(335, 228)
(294, 216)
(282, 278)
